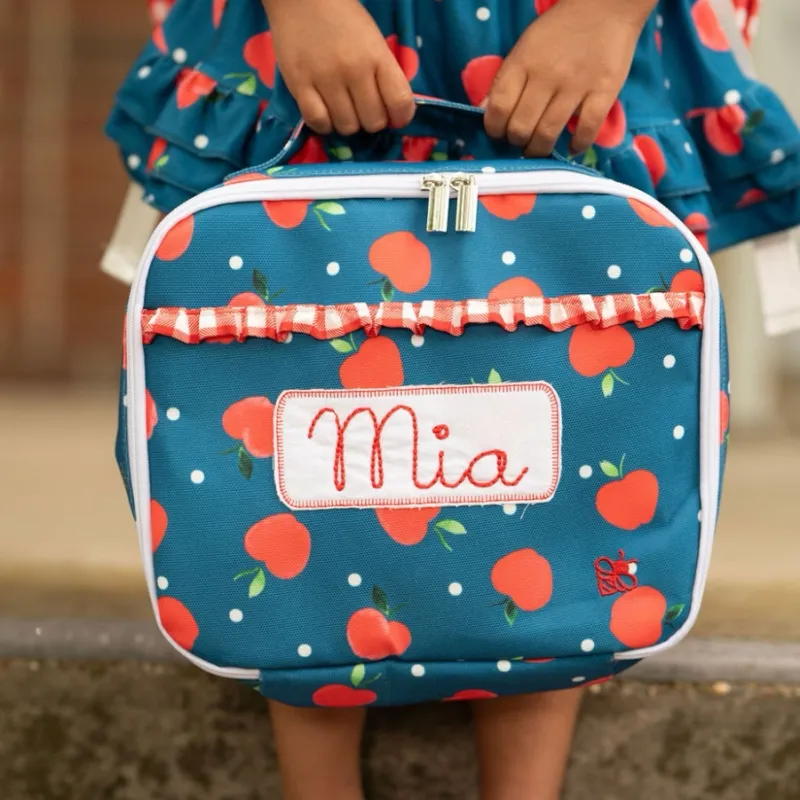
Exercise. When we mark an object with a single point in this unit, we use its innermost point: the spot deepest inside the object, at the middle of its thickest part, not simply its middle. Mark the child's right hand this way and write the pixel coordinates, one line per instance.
(338, 67)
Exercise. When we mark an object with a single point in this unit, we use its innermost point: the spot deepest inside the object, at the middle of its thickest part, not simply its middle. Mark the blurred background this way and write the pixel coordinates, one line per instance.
(67, 542)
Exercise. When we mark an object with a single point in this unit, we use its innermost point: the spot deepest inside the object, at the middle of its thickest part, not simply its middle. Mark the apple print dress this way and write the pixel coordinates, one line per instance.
(717, 147)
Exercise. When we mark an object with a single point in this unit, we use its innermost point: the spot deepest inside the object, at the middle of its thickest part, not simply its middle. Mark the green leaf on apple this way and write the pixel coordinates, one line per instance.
(245, 573)
(334, 209)
(754, 121)
(609, 469)
(245, 463)
(257, 584)
(260, 284)
(273, 170)
(380, 600)
(607, 384)
(162, 162)
(438, 156)
(590, 158)
(451, 526)
(341, 346)
(358, 674)
(673, 612)
(248, 86)
(494, 377)
(343, 153)
(442, 540)
(510, 611)
(387, 291)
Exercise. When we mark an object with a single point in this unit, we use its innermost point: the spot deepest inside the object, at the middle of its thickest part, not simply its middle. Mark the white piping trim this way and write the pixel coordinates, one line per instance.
(409, 185)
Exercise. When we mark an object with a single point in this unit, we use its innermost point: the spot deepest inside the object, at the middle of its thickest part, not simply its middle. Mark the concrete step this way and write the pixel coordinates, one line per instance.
(138, 731)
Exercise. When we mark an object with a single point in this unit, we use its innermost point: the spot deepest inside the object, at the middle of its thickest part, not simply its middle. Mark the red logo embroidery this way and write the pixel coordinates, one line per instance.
(615, 577)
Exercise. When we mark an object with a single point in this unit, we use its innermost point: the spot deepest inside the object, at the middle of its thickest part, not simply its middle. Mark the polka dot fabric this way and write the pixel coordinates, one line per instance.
(715, 146)
(371, 602)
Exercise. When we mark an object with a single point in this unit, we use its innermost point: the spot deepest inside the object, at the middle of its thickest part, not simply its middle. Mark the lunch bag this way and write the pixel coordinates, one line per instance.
(395, 433)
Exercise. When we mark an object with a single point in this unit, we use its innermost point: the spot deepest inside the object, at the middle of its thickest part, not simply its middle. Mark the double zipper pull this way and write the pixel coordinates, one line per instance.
(466, 203)
(438, 203)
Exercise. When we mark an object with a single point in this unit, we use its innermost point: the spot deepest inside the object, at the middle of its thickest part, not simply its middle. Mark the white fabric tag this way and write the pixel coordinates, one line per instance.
(778, 272)
(418, 446)
(135, 226)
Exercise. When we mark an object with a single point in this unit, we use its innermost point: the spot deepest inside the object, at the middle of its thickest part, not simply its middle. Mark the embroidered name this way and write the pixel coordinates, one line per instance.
(419, 446)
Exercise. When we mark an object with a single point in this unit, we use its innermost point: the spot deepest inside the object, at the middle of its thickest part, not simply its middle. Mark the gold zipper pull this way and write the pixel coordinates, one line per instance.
(466, 187)
(438, 202)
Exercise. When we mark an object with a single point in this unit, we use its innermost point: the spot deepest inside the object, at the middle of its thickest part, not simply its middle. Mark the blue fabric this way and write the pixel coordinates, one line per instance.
(230, 609)
(718, 148)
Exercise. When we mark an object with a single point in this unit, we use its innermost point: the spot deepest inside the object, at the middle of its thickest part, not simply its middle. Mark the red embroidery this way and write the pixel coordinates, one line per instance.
(376, 457)
(615, 576)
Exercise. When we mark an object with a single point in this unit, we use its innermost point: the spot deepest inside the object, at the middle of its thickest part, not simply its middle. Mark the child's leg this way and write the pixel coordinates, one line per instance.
(319, 751)
(524, 743)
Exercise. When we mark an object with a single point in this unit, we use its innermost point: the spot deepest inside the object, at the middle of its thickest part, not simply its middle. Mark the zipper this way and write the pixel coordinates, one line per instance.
(407, 185)
(466, 187)
(438, 189)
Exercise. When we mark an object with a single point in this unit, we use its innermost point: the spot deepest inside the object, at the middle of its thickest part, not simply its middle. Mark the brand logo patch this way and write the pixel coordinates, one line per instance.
(418, 446)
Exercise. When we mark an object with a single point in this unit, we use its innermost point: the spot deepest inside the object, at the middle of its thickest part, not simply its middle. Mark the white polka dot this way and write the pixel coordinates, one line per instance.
(354, 579)
(509, 509)
(162, 583)
(125, 401)
(614, 272)
(732, 97)
(236, 262)
(332, 268)
(201, 141)
(504, 666)
(134, 162)
(509, 258)
(687, 255)
(460, 143)
(198, 476)
(589, 212)
(579, 679)
(179, 55)
(488, 170)
(633, 569)
(669, 362)
(676, 122)
(173, 414)
(417, 340)
(659, 21)
(288, 338)
(455, 589)
(236, 615)
(585, 471)
(144, 72)
(587, 645)
(777, 156)
(417, 670)
(688, 148)
(483, 13)
(679, 432)
(304, 651)
(667, 84)
(419, 41)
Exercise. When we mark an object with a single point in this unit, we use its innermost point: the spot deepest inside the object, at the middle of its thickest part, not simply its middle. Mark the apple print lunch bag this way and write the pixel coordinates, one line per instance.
(401, 432)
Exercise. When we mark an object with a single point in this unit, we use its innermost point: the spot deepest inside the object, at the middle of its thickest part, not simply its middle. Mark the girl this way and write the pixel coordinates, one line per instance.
(647, 92)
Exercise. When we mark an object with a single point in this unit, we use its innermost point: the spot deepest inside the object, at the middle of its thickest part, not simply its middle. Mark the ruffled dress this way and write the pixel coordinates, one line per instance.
(716, 146)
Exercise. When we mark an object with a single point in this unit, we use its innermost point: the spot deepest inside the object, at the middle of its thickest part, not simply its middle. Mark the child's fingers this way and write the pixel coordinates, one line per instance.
(532, 104)
(398, 99)
(551, 125)
(503, 99)
(369, 103)
(314, 111)
(593, 113)
(340, 106)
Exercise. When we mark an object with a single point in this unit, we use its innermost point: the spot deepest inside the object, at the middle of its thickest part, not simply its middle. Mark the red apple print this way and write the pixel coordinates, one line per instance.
(178, 622)
(287, 213)
(699, 225)
(418, 148)
(247, 177)
(371, 635)
(192, 85)
(595, 350)
(637, 617)
(250, 421)
(612, 132)
(150, 413)
(470, 694)
(406, 526)
(158, 524)
(751, 197)
(687, 280)
(649, 214)
(159, 40)
(514, 288)
(708, 28)
(525, 579)
(508, 206)
(724, 415)
(246, 299)
(627, 502)
(338, 695)
(403, 259)
(659, 41)
(544, 5)
(312, 152)
(650, 152)
(406, 57)
(282, 543)
(217, 10)
(177, 240)
(260, 55)
(376, 365)
(478, 77)
(156, 151)
(723, 127)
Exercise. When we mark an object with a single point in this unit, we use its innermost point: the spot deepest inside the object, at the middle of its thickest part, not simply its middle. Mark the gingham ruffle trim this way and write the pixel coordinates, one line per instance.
(195, 325)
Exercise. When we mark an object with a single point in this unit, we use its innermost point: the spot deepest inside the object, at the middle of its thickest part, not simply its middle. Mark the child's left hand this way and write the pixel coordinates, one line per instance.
(573, 60)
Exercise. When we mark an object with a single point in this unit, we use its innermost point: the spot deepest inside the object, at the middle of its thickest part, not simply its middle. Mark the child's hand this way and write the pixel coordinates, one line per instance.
(338, 66)
(574, 59)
